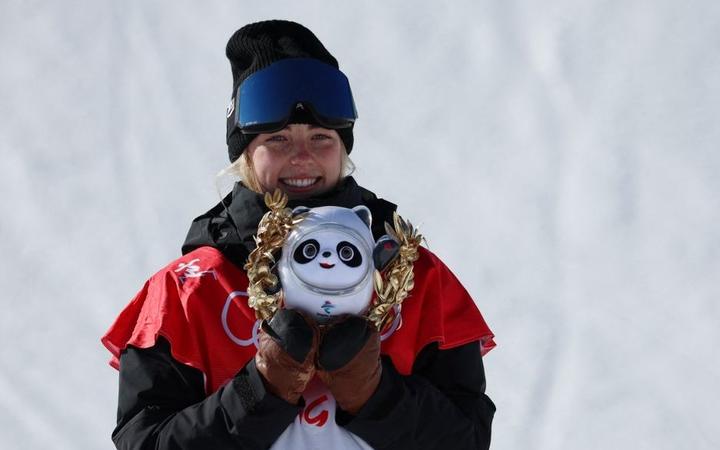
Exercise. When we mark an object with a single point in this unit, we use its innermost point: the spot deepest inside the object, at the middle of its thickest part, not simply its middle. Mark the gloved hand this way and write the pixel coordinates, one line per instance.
(287, 349)
(349, 361)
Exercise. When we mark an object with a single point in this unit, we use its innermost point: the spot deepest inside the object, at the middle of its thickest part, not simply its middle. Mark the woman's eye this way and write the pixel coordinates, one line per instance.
(276, 138)
(320, 137)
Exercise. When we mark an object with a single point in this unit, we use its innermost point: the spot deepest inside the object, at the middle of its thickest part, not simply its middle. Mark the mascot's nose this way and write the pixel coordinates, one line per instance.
(326, 254)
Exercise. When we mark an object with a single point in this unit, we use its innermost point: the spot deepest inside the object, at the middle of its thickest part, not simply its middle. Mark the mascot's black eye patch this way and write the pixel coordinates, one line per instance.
(349, 254)
(306, 251)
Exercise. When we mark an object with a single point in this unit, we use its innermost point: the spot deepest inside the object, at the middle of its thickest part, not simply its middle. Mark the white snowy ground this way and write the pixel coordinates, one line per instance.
(561, 156)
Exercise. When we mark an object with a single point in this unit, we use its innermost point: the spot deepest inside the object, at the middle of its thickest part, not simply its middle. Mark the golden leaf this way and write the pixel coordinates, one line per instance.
(393, 286)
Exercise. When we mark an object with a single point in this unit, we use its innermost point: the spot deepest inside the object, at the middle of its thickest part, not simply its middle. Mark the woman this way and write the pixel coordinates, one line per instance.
(198, 371)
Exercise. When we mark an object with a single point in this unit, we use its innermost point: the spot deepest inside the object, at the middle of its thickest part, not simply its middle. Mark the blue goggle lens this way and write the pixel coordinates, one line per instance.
(266, 99)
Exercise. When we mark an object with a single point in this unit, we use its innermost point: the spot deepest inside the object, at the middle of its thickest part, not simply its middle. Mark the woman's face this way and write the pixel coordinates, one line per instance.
(302, 160)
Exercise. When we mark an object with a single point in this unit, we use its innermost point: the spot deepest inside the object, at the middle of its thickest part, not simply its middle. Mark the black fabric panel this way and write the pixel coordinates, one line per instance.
(162, 405)
(231, 224)
(442, 405)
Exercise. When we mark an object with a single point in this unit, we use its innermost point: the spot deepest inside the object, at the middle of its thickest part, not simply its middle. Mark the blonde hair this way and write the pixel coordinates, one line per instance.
(242, 168)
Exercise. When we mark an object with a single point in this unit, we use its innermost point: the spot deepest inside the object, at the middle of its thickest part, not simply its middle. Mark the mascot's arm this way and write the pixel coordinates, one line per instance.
(162, 405)
(442, 404)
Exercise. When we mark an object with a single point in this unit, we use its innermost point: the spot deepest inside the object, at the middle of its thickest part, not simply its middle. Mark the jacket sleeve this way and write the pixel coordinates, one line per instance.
(162, 405)
(441, 405)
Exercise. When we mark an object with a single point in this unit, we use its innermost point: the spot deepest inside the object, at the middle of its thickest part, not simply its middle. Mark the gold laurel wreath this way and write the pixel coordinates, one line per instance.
(272, 231)
(391, 287)
(397, 280)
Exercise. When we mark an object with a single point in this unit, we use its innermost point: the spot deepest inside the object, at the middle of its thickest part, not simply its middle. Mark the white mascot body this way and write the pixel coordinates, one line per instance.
(326, 268)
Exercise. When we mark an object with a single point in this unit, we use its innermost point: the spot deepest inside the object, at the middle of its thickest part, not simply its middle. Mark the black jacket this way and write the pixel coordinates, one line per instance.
(163, 405)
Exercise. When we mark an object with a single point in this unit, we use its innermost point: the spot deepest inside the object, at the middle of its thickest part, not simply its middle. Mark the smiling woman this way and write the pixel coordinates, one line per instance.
(199, 370)
(301, 159)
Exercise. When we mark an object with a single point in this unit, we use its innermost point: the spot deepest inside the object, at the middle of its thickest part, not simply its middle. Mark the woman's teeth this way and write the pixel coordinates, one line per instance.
(299, 182)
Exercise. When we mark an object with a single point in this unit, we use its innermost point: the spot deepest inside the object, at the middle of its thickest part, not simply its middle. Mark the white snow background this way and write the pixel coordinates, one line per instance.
(560, 156)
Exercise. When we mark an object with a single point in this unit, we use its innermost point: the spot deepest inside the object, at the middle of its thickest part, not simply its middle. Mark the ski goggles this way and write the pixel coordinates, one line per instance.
(265, 101)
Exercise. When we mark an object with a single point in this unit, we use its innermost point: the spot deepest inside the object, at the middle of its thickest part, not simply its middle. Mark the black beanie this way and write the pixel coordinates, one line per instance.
(256, 46)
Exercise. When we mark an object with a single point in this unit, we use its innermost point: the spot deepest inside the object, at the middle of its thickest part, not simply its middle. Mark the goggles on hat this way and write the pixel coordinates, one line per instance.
(265, 101)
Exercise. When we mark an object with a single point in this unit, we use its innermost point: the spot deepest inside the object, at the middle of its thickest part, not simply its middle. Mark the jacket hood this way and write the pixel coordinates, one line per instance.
(230, 226)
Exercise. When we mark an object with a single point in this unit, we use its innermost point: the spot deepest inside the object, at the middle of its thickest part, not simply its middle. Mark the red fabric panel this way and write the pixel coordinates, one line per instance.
(186, 306)
(438, 309)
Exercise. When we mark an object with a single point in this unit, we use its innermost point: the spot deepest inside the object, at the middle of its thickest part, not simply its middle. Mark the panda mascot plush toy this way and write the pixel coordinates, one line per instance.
(327, 265)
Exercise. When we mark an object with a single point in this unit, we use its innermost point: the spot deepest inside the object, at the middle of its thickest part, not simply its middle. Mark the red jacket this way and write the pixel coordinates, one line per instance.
(198, 303)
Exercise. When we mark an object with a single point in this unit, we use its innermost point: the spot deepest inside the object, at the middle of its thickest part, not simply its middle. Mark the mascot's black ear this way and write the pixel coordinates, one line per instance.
(272, 290)
(299, 210)
(385, 251)
(364, 214)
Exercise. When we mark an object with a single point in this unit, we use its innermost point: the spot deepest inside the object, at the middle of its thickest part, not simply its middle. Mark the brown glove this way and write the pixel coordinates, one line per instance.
(287, 349)
(349, 362)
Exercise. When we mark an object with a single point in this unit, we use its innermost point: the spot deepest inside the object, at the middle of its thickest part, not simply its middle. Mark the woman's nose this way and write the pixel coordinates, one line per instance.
(300, 153)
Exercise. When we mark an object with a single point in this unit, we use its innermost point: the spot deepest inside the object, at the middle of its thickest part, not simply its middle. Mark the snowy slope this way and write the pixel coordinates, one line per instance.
(574, 144)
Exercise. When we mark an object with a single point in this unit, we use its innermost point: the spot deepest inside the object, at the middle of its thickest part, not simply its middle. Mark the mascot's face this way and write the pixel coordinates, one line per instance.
(330, 258)
(326, 266)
